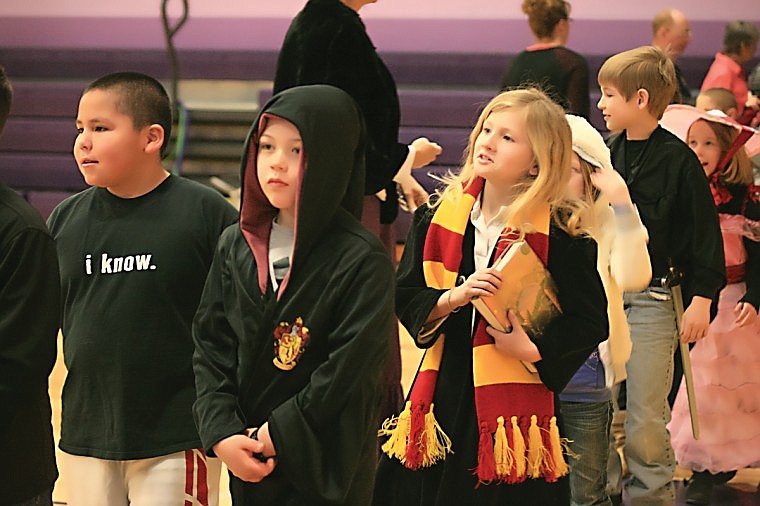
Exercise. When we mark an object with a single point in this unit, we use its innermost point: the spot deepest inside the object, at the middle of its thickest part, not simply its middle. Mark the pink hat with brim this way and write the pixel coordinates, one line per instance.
(678, 118)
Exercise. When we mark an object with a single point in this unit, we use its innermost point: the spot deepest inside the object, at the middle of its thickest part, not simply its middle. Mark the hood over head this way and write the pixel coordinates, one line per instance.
(332, 171)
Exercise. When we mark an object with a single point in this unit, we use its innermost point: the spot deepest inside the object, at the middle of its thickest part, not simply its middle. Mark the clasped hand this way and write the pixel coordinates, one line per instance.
(237, 454)
(515, 343)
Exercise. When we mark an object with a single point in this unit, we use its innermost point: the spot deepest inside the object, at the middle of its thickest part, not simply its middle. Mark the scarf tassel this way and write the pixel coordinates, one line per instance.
(397, 429)
(537, 453)
(417, 443)
(414, 437)
(519, 447)
(486, 470)
(560, 466)
(437, 443)
(501, 462)
(503, 454)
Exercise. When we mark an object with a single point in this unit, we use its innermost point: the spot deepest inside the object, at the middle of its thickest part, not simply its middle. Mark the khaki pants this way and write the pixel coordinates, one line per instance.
(182, 478)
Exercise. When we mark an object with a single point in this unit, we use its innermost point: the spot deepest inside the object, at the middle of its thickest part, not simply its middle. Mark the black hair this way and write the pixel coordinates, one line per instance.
(140, 97)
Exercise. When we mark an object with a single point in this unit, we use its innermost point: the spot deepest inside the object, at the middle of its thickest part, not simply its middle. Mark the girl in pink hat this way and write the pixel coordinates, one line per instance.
(726, 361)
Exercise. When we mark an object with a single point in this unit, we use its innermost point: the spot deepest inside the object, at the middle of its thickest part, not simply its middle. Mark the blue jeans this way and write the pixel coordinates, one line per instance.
(647, 450)
(587, 425)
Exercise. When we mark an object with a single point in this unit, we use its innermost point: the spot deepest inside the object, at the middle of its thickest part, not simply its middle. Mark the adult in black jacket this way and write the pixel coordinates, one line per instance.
(29, 321)
(327, 43)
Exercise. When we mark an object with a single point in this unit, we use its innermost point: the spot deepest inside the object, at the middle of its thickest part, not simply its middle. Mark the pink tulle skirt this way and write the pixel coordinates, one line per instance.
(726, 367)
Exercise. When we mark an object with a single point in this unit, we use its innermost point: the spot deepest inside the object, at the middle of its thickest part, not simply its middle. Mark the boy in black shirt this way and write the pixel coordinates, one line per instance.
(668, 185)
(134, 251)
(29, 320)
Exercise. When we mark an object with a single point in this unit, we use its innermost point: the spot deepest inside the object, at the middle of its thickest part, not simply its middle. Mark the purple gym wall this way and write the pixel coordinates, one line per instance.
(471, 26)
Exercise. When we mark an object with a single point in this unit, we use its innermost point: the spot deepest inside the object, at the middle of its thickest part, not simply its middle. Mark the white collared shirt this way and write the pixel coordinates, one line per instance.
(486, 233)
(280, 249)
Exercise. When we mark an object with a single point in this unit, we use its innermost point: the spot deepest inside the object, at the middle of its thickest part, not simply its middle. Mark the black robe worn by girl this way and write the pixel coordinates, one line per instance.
(337, 298)
(459, 477)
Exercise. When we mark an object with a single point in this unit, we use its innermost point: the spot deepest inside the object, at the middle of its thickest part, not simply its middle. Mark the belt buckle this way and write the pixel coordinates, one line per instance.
(655, 294)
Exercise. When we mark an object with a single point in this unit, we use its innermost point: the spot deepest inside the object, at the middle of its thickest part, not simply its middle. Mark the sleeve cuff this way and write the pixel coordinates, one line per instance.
(405, 171)
(627, 218)
(427, 332)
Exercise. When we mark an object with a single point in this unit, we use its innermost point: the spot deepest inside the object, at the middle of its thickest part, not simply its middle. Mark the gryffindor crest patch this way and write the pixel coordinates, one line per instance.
(290, 341)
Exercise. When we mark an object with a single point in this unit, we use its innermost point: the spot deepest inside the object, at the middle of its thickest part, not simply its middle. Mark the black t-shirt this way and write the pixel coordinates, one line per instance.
(633, 150)
(132, 271)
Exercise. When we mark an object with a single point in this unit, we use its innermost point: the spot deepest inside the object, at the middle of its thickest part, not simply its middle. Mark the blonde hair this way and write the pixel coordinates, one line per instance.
(582, 217)
(645, 67)
(739, 168)
(543, 15)
(550, 138)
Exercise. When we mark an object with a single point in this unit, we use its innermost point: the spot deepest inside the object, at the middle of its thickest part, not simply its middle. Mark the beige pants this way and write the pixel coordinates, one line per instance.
(186, 478)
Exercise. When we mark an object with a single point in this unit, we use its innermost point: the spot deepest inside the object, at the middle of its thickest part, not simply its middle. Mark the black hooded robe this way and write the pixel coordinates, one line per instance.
(322, 413)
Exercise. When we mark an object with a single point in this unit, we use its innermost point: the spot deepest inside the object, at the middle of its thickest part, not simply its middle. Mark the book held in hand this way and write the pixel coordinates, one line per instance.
(526, 288)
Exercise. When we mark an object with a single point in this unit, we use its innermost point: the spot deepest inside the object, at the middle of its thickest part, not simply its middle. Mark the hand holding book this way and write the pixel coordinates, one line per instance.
(481, 283)
(527, 296)
(515, 342)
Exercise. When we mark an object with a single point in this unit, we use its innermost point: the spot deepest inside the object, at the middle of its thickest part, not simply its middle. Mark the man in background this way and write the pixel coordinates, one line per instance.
(672, 34)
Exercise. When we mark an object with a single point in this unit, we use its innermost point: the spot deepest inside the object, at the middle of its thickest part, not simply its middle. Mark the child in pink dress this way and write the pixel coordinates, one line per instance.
(725, 362)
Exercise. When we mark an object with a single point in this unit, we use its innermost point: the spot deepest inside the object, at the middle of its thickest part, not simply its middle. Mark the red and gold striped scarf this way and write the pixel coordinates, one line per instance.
(519, 438)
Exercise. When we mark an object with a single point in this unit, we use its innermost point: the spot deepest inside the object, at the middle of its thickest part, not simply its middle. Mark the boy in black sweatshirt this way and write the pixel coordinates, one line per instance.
(29, 320)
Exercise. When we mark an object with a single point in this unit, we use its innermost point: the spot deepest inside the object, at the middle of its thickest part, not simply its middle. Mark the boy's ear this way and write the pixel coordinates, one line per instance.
(154, 137)
(642, 98)
(732, 113)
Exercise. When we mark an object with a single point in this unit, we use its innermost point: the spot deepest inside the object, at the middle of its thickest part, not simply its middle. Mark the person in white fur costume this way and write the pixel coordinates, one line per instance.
(623, 264)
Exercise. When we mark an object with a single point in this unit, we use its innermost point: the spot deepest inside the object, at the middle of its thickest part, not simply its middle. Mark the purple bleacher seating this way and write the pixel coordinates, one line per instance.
(36, 144)
(40, 171)
(45, 201)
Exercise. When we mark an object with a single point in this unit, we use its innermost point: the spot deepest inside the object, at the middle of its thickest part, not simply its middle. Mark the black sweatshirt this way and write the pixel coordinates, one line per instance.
(29, 320)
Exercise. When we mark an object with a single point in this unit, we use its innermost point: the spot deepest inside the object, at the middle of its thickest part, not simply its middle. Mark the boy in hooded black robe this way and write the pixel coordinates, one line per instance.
(291, 335)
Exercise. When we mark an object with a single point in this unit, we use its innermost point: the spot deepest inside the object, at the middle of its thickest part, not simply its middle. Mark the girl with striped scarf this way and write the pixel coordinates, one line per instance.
(478, 427)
